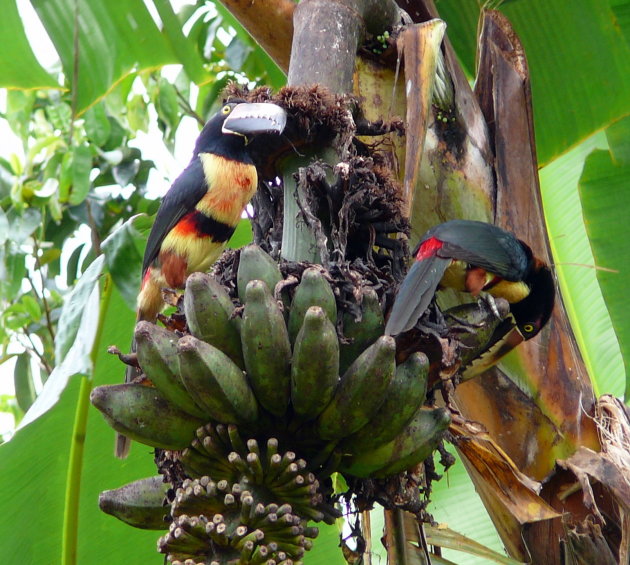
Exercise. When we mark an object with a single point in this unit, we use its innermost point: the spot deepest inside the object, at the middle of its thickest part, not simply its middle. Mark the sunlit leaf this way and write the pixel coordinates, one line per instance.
(574, 262)
(20, 68)
(137, 114)
(31, 307)
(81, 167)
(179, 43)
(23, 224)
(97, 125)
(124, 262)
(15, 270)
(606, 201)
(168, 106)
(19, 110)
(112, 42)
(60, 116)
(576, 52)
(73, 308)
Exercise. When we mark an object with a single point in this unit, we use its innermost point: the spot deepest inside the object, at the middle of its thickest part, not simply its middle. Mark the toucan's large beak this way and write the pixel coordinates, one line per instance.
(250, 119)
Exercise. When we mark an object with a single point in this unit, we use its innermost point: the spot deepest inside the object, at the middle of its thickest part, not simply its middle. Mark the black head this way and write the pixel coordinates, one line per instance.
(229, 131)
(533, 312)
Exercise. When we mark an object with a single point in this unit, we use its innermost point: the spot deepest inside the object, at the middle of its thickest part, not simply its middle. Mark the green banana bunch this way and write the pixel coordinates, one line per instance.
(313, 290)
(412, 445)
(406, 391)
(157, 355)
(260, 366)
(143, 414)
(266, 348)
(256, 265)
(209, 315)
(360, 392)
(360, 333)
(215, 382)
(140, 504)
(315, 365)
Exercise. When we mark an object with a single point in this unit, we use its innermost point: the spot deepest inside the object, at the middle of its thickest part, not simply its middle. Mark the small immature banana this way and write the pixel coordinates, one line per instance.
(215, 382)
(139, 504)
(255, 264)
(208, 310)
(361, 391)
(414, 444)
(157, 355)
(405, 394)
(361, 333)
(315, 366)
(144, 415)
(266, 348)
(313, 290)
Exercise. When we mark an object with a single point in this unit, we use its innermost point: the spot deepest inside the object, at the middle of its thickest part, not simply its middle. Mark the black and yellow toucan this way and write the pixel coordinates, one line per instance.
(203, 206)
(472, 257)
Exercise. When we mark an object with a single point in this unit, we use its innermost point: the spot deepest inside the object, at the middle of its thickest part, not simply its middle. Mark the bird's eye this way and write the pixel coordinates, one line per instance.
(226, 109)
(529, 328)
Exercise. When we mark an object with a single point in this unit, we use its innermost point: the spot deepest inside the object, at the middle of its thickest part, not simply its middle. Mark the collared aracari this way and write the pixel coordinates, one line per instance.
(472, 257)
(202, 208)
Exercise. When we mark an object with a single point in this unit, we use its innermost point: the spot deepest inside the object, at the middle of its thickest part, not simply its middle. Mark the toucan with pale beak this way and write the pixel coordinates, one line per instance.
(202, 208)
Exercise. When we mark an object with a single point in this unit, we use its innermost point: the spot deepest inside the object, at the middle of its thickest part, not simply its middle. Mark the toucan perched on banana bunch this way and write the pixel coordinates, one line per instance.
(475, 256)
(203, 206)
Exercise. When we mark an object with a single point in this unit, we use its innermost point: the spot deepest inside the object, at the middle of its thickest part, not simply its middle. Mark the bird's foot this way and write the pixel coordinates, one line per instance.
(490, 302)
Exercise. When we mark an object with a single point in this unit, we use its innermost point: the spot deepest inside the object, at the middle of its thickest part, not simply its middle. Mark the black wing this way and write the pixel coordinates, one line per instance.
(415, 294)
(188, 189)
(483, 245)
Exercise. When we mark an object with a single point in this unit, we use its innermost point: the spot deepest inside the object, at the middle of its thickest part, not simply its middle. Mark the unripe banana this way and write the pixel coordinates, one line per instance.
(139, 504)
(144, 415)
(157, 355)
(215, 382)
(361, 391)
(208, 310)
(315, 366)
(313, 290)
(413, 445)
(255, 264)
(266, 348)
(405, 394)
(361, 333)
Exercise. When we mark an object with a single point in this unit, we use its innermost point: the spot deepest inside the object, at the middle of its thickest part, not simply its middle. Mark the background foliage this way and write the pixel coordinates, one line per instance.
(75, 180)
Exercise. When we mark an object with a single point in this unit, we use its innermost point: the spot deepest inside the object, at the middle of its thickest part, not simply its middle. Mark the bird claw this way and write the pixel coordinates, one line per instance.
(489, 301)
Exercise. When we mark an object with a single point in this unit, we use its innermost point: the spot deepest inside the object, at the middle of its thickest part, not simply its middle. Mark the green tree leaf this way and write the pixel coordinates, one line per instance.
(606, 201)
(81, 168)
(129, 35)
(20, 68)
(124, 262)
(97, 125)
(73, 309)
